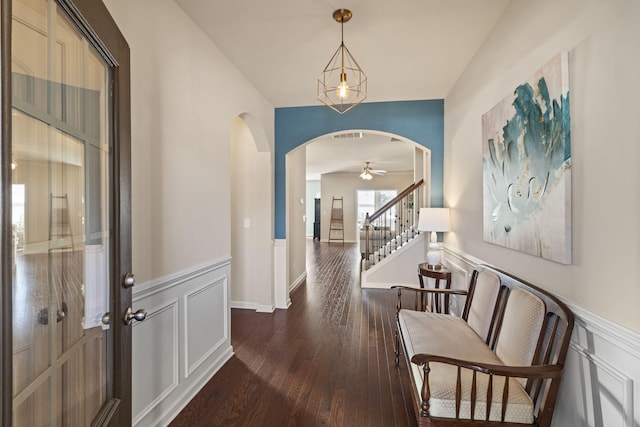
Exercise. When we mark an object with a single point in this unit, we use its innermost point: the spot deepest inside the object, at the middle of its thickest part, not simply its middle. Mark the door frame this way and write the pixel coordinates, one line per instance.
(97, 25)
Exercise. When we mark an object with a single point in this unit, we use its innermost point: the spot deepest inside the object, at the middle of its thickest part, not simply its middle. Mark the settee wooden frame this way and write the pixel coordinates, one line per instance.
(542, 377)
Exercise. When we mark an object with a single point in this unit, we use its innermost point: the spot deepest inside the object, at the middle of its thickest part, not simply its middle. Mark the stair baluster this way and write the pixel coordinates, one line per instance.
(386, 231)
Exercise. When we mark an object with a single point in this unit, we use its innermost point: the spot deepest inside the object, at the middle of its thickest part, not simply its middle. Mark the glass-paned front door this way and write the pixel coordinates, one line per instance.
(61, 230)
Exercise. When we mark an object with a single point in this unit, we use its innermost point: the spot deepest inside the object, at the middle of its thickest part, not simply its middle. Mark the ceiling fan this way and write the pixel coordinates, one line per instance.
(367, 172)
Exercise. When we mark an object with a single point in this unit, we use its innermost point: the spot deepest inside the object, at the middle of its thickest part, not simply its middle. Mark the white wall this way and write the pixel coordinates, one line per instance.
(313, 190)
(296, 211)
(601, 386)
(251, 226)
(603, 39)
(346, 185)
(185, 98)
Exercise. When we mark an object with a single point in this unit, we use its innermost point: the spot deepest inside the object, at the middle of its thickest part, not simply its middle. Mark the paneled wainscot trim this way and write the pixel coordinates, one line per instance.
(183, 342)
(601, 383)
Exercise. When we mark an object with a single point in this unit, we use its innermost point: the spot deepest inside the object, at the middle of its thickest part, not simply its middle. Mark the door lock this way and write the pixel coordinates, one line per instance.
(129, 280)
(129, 315)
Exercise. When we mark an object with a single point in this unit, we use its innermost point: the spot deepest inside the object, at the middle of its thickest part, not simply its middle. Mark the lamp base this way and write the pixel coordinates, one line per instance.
(434, 266)
(433, 254)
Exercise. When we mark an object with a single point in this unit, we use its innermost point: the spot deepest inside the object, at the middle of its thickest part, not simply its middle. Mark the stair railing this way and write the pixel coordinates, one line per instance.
(391, 226)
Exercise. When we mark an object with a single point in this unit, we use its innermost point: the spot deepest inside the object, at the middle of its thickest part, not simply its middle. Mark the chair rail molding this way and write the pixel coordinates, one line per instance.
(162, 284)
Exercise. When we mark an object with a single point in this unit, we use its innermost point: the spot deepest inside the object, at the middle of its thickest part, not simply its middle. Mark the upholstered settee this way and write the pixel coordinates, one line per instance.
(499, 362)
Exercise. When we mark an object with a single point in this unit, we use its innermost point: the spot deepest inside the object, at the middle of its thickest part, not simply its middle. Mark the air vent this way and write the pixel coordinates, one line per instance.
(349, 135)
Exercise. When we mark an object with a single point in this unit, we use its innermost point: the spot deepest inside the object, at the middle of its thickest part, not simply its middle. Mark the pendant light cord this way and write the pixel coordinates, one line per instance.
(342, 45)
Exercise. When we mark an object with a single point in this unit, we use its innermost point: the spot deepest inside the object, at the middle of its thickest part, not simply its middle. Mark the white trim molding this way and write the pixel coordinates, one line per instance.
(163, 284)
(189, 334)
(166, 379)
(260, 308)
(280, 274)
(300, 280)
(601, 382)
(201, 306)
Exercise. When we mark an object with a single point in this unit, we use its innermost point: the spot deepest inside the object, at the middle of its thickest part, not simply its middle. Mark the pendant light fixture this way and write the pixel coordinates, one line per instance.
(343, 84)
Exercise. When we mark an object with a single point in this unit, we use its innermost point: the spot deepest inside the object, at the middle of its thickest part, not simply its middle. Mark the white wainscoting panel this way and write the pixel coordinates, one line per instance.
(601, 382)
(280, 275)
(203, 332)
(601, 386)
(460, 277)
(158, 334)
(182, 343)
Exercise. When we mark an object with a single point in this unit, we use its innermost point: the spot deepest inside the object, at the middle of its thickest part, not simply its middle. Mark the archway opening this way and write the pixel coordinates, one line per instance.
(251, 217)
(329, 167)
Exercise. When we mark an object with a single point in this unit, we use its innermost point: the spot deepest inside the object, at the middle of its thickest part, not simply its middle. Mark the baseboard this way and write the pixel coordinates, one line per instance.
(243, 305)
(260, 308)
(298, 282)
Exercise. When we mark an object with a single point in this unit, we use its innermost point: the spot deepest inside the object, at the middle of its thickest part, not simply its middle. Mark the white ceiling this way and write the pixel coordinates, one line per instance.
(338, 153)
(409, 49)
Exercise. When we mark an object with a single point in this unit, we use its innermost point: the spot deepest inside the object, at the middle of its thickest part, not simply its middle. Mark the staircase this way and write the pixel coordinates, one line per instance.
(391, 227)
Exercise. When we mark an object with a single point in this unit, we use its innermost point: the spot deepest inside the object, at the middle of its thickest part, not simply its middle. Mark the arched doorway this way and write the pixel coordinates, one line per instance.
(251, 216)
(418, 121)
(331, 164)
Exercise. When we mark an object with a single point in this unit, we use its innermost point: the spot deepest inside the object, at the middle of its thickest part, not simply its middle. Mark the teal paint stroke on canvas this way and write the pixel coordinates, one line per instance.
(526, 167)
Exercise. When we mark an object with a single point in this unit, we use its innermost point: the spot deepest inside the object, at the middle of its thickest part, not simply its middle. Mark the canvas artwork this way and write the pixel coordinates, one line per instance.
(527, 166)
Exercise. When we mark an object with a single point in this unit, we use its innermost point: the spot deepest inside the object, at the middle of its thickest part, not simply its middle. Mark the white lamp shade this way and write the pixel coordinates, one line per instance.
(434, 219)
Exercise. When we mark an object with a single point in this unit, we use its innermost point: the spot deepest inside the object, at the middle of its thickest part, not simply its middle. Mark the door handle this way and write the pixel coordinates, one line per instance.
(43, 315)
(106, 318)
(130, 316)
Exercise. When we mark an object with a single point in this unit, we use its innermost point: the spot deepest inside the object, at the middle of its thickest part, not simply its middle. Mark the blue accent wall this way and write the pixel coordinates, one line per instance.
(419, 121)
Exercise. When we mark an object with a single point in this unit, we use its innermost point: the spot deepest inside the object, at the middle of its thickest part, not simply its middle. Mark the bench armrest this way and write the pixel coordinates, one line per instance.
(529, 372)
(535, 375)
(421, 293)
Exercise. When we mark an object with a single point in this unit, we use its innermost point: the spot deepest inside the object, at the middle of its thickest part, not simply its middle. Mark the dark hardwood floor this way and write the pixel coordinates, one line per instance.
(327, 360)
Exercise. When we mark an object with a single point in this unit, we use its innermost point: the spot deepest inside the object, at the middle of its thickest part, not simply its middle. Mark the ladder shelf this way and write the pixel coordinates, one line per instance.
(336, 226)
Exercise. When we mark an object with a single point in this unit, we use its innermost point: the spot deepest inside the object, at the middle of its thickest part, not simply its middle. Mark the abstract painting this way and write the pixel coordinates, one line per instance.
(526, 159)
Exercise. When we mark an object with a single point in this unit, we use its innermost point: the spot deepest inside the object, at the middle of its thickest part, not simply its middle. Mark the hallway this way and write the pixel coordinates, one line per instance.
(327, 360)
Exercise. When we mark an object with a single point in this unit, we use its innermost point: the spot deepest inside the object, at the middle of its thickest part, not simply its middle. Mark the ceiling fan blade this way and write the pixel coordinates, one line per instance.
(378, 171)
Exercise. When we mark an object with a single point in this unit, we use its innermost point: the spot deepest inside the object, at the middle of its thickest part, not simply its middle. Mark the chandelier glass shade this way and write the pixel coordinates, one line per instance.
(366, 176)
(342, 84)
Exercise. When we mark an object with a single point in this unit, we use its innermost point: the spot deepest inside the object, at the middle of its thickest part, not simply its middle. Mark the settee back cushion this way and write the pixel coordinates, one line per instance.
(521, 327)
(483, 303)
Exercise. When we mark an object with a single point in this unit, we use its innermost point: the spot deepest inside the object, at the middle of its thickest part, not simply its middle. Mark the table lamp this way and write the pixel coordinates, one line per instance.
(434, 220)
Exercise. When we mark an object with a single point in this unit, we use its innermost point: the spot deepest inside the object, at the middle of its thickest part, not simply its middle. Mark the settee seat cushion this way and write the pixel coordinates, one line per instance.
(451, 336)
